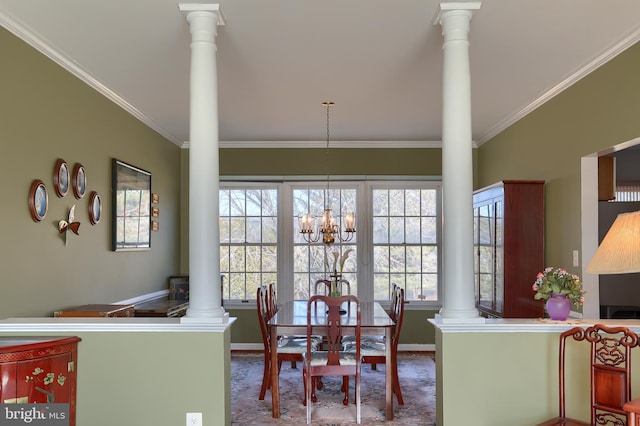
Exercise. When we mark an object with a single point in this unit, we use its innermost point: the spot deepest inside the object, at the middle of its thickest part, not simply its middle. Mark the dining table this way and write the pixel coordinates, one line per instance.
(291, 319)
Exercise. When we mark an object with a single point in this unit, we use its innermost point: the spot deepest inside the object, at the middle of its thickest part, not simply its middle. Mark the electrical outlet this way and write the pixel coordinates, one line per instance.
(194, 419)
(576, 258)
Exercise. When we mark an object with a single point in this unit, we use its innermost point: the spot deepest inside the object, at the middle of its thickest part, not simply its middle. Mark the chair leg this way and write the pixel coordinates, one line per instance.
(358, 411)
(294, 365)
(345, 388)
(308, 386)
(374, 366)
(314, 380)
(266, 379)
(396, 384)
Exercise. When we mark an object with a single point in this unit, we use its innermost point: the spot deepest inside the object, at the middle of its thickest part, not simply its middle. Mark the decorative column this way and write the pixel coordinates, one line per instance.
(457, 166)
(205, 304)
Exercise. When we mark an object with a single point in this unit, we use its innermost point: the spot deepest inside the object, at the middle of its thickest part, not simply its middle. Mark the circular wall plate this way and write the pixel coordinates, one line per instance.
(95, 208)
(79, 181)
(61, 178)
(38, 200)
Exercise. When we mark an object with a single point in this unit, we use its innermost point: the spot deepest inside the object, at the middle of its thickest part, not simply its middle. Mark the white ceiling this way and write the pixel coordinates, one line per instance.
(379, 61)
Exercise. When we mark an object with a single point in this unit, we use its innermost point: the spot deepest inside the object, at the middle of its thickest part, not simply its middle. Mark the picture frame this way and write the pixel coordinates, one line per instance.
(61, 178)
(179, 287)
(155, 198)
(155, 225)
(155, 212)
(38, 200)
(95, 208)
(131, 207)
(79, 181)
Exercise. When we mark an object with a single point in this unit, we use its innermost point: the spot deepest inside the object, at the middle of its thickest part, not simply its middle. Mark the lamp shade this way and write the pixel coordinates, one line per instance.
(619, 252)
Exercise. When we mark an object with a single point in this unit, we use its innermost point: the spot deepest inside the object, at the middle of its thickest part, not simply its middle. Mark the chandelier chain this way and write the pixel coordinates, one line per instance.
(327, 201)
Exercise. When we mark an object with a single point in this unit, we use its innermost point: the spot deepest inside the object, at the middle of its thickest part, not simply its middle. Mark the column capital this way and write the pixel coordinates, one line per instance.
(444, 8)
(188, 9)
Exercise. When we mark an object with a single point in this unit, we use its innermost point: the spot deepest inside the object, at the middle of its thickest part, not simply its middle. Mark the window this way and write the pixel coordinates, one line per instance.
(248, 240)
(314, 261)
(627, 193)
(406, 241)
(397, 239)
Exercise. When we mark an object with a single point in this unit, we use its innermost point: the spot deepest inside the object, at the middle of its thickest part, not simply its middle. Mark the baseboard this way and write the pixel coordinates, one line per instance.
(246, 347)
(410, 347)
(416, 347)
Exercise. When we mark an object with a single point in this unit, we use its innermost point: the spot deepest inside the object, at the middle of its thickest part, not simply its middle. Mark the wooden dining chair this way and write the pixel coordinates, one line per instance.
(373, 351)
(379, 341)
(610, 367)
(324, 287)
(289, 349)
(325, 312)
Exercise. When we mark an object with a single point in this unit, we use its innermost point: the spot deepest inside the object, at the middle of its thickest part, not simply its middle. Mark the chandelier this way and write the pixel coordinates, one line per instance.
(328, 229)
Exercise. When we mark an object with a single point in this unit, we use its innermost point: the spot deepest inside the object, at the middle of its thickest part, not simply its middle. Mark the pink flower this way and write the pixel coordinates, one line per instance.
(534, 287)
(540, 275)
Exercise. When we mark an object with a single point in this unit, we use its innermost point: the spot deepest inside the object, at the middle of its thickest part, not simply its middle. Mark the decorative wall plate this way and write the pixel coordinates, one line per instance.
(95, 208)
(38, 200)
(61, 178)
(79, 181)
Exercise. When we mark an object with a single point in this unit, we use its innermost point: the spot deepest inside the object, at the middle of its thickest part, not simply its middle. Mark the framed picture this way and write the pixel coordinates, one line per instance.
(61, 178)
(155, 212)
(95, 208)
(131, 204)
(79, 181)
(179, 287)
(155, 198)
(38, 200)
(155, 225)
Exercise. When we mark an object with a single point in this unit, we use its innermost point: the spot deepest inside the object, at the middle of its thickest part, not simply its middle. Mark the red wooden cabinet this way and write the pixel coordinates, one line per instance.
(39, 370)
(509, 248)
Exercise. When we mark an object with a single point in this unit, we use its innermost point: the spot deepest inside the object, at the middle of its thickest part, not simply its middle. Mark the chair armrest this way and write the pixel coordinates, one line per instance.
(632, 407)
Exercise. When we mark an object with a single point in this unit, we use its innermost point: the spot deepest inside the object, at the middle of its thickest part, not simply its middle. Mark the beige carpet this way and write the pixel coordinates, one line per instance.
(417, 379)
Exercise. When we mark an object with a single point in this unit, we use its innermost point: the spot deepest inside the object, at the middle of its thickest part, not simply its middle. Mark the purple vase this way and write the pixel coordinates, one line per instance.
(558, 307)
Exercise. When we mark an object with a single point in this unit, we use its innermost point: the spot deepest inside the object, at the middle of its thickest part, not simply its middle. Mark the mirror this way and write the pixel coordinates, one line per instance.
(131, 201)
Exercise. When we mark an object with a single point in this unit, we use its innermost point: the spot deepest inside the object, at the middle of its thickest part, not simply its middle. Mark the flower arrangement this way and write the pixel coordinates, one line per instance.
(336, 276)
(339, 261)
(558, 281)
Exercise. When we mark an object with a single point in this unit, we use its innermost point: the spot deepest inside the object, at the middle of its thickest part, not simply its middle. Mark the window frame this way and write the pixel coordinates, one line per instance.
(287, 225)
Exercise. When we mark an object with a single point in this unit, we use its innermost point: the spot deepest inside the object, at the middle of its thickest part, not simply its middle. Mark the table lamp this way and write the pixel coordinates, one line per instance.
(619, 251)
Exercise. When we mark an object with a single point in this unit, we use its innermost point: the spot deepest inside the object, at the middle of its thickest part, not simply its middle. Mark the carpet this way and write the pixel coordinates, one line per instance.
(417, 380)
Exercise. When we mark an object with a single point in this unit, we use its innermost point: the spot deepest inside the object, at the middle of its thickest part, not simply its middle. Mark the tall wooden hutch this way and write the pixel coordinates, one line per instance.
(509, 248)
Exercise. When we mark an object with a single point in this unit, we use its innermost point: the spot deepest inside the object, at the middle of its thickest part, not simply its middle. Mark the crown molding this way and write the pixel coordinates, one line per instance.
(323, 144)
(56, 55)
(608, 55)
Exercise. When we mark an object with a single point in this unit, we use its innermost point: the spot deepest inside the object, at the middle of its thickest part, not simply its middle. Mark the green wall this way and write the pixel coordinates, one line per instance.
(148, 378)
(47, 114)
(598, 112)
(509, 378)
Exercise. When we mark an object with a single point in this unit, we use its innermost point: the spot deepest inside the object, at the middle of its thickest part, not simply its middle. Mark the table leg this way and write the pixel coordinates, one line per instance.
(389, 374)
(275, 390)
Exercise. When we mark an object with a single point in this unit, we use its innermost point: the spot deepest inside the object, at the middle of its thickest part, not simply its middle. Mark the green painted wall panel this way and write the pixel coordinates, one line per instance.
(598, 112)
(152, 378)
(50, 114)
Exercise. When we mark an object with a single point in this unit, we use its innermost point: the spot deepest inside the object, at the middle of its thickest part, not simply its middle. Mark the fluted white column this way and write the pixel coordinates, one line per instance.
(205, 304)
(457, 165)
